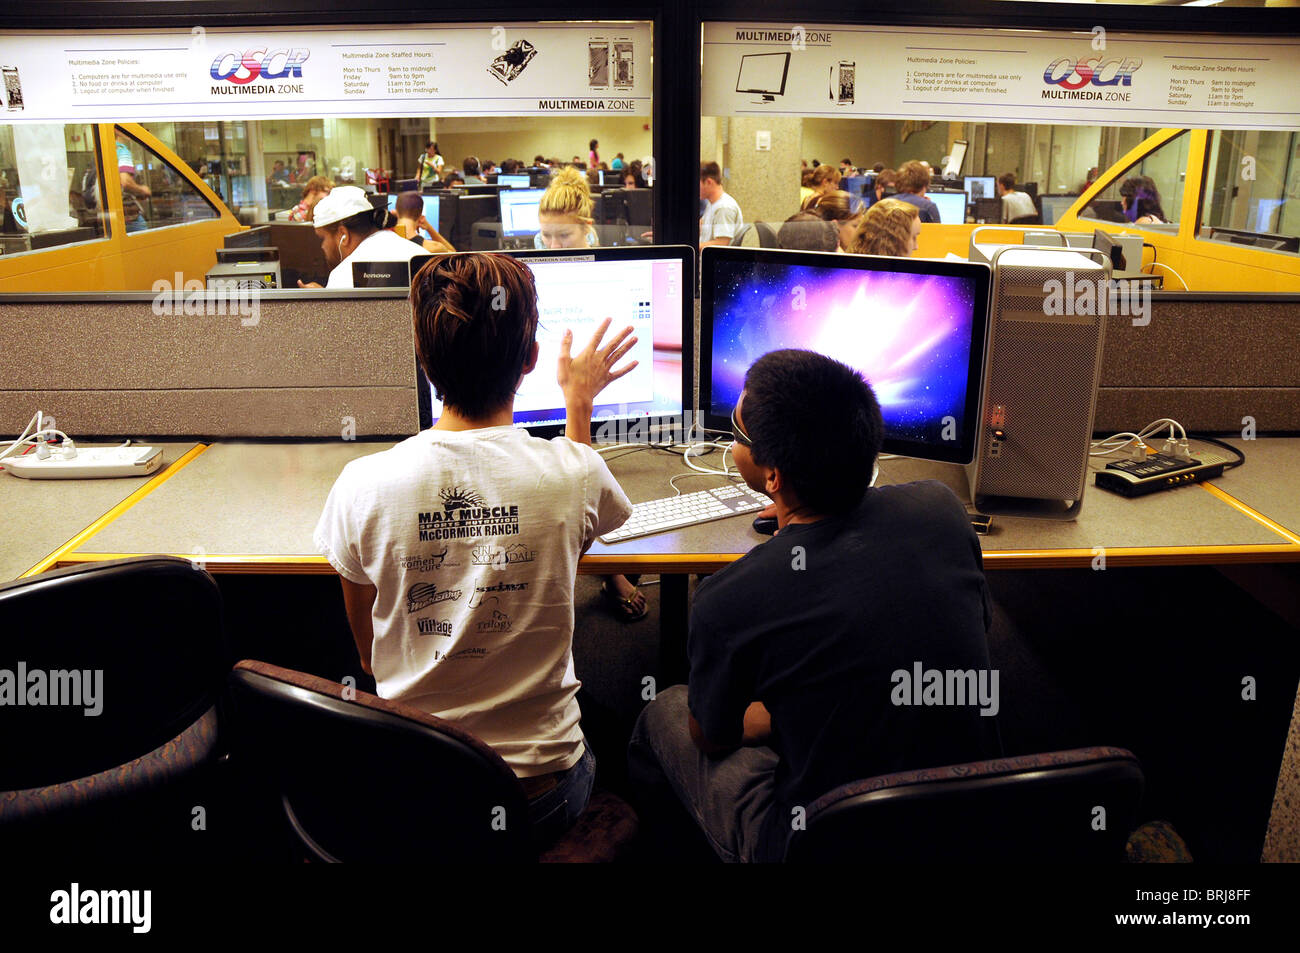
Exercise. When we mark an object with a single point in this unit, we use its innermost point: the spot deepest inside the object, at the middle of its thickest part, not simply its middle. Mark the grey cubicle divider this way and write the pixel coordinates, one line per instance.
(299, 364)
(107, 364)
(1208, 359)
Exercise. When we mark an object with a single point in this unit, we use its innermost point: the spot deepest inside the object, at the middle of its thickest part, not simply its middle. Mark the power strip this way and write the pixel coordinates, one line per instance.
(1157, 472)
(86, 463)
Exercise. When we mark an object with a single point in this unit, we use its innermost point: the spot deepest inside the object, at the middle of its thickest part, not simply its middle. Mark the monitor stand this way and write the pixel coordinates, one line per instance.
(767, 98)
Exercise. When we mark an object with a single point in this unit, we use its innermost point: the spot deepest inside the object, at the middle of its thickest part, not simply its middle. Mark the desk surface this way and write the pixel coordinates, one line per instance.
(251, 507)
(1269, 482)
(42, 515)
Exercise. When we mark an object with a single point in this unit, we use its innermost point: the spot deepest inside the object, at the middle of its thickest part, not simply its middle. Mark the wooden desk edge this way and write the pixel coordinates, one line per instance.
(704, 563)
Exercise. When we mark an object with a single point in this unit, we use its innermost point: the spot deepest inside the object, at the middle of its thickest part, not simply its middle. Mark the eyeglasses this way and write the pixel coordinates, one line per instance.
(740, 435)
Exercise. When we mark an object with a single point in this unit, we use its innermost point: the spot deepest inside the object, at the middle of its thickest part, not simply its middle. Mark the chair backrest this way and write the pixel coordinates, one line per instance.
(1027, 220)
(1077, 805)
(745, 235)
(362, 778)
(766, 235)
(132, 650)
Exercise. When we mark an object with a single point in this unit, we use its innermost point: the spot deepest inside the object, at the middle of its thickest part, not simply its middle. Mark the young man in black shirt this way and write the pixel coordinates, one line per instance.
(804, 653)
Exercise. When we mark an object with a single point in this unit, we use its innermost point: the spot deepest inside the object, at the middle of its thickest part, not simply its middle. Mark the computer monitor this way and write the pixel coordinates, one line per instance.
(763, 73)
(1054, 206)
(979, 187)
(431, 210)
(988, 211)
(514, 181)
(952, 206)
(519, 211)
(648, 287)
(915, 328)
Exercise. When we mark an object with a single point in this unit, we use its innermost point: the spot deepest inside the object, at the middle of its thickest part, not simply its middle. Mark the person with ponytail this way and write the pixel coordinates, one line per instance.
(837, 208)
(1141, 201)
(349, 225)
(565, 212)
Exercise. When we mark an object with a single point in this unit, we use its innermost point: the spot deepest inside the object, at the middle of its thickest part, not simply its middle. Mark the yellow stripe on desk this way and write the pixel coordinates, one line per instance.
(56, 558)
(1258, 517)
(224, 563)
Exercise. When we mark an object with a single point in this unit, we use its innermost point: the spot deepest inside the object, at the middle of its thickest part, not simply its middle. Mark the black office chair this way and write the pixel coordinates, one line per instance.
(766, 235)
(125, 778)
(1027, 220)
(1035, 808)
(366, 779)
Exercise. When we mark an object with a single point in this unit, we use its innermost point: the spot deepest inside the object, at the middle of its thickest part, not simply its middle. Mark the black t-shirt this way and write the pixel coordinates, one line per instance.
(814, 622)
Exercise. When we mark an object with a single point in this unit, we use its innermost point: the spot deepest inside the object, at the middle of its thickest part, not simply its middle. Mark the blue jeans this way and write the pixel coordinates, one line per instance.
(728, 797)
(555, 811)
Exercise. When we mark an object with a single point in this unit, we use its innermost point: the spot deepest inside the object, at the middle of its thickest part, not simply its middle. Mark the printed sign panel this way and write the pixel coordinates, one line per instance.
(1086, 78)
(514, 69)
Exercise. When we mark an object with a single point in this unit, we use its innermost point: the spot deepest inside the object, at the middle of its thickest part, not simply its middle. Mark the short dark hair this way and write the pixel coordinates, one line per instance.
(409, 205)
(846, 162)
(711, 170)
(511, 166)
(475, 323)
(826, 457)
(470, 165)
(1008, 181)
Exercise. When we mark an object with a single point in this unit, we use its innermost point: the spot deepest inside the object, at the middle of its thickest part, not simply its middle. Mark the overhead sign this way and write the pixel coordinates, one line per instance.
(1091, 77)
(513, 69)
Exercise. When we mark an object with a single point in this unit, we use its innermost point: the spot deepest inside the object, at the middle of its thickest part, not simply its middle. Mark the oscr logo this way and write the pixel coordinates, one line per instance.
(273, 64)
(1075, 74)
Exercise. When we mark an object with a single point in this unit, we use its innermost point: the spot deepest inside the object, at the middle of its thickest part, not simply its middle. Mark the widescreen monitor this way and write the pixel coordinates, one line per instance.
(515, 181)
(952, 206)
(915, 328)
(519, 211)
(650, 288)
(431, 208)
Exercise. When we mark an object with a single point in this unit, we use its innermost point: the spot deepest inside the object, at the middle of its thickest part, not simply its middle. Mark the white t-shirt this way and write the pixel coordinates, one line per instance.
(472, 539)
(383, 245)
(722, 219)
(1017, 205)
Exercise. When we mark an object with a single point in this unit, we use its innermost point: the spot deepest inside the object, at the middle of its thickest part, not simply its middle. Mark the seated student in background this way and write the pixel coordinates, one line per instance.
(453, 179)
(1140, 200)
(913, 180)
(458, 548)
(806, 191)
(564, 214)
(350, 227)
(884, 185)
(825, 179)
(1014, 204)
(889, 227)
(837, 208)
(721, 218)
(794, 648)
(410, 219)
(807, 231)
(471, 168)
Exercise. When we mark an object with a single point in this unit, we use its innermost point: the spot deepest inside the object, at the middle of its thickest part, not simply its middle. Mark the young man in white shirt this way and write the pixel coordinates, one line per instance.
(1015, 204)
(722, 218)
(350, 227)
(458, 547)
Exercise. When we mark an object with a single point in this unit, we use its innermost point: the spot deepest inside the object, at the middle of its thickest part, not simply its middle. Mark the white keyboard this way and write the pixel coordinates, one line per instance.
(674, 512)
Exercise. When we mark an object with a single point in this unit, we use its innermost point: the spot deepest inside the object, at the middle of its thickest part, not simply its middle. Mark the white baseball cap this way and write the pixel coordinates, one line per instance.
(344, 201)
